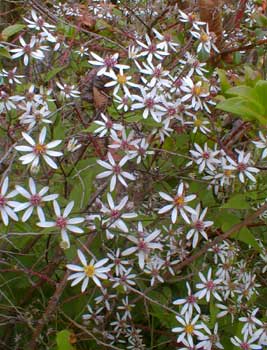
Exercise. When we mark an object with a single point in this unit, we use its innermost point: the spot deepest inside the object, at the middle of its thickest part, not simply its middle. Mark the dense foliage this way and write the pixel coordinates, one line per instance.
(133, 147)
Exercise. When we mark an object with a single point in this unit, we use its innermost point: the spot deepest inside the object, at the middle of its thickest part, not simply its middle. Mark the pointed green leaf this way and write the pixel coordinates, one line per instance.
(11, 30)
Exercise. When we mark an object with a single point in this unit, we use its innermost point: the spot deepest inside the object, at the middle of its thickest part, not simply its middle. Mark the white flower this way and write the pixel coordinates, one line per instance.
(141, 150)
(117, 262)
(6, 203)
(120, 81)
(63, 223)
(28, 51)
(73, 145)
(115, 171)
(251, 323)
(153, 268)
(107, 126)
(189, 327)
(178, 204)
(33, 115)
(206, 40)
(208, 287)
(205, 158)
(125, 280)
(35, 200)
(198, 226)
(189, 303)
(144, 243)
(94, 270)
(38, 22)
(8, 102)
(149, 101)
(11, 75)
(193, 63)
(115, 216)
(194, 92)
(242, 165)
(245, 343)
(166, 41)
(106, 64)
(198, 124)
(190, 18)
(151, 50)
(209, 341)
(68, 91)
(262, 144)
(158, 75)
(39, 150)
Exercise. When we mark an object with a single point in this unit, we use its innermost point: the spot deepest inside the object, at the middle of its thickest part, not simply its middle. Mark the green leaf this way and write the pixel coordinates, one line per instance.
(244, 235)
(237, 201)
(63, 340)
(4, 52)
(53, 73)
(11, 30)
(225, 85)
(261, 91)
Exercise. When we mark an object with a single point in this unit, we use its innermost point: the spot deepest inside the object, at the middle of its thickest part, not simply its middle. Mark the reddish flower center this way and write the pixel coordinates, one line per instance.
(150, 103)
(245, 346)
(61, 222)
(199, 225)
(35, 200)
(205, 155)
(117, 169)
(115, 214)
(2, 201)
(242, 167)
(27, 49)
(142, 245)
(110, 62)
(191, 299)
(157, 72)
(152, 48)
(40, 22)
(210, 285)
(171, 112)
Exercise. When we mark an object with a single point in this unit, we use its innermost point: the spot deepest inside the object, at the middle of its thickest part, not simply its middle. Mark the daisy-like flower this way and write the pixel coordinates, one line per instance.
(63, 223)
(194, 92)
(245, 343)
(8, 102)
(107, 64)
(117, 262)
(209, 341)
(190, 18)
(189, 303)
(166, 41)
(227, 175)
(206, 40)
(208, 287)
(126, 280)
(27, 50)
(153, 268)
(116, 216)
(82, 51)
(157, 73)
(243, 166)
(150, 102)
(141, 150)
(11, 75)
(250, 323)
(198, 124)
(68, 91)
(205, 158)
(189, 328)
(124, 102)
(120, 81)
(178, 204)
(151, 50)
(35, 200)
(73, 145)
(198, 226)
(5, 203)
(195, 66)
(94, 270)
(262, 144)
(144, 244)
(39, 150)
(107, 126)
(33, 115)
(115, 171)
(38, 22)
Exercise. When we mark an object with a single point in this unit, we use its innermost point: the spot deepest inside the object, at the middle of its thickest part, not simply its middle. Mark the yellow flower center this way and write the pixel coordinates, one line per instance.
(189, 329)
(89, 270)
(179, 201)
(198, 122)
(228, 172)
(204, 37)
(197, 90)
(39, 149)
(121, 78)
